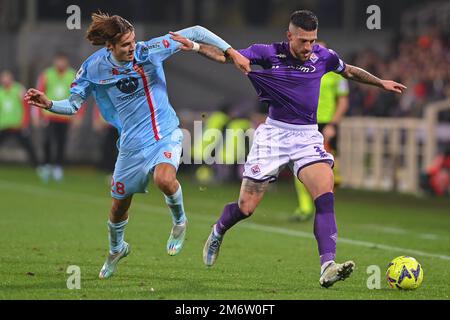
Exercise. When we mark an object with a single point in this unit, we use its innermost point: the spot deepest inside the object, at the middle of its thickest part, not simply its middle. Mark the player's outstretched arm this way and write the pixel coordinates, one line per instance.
(214, 53)
(361, 75)
(39, 99)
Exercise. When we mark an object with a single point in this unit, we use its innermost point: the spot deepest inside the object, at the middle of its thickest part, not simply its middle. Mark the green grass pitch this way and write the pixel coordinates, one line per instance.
(46, 228)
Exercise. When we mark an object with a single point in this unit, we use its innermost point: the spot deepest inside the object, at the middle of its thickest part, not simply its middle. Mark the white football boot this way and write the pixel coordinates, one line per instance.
(176, 238)
(211, 248)
(336, 271)
(111, 262)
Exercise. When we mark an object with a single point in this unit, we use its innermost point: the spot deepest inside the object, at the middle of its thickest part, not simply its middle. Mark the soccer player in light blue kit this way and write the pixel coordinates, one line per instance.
(128, 83)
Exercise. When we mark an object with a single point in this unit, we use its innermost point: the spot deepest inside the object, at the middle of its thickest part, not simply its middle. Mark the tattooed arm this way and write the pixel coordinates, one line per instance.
(361, 75)
(214, 53)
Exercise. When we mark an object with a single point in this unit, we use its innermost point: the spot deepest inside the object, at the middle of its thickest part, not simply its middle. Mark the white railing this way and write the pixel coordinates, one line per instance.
(389, 153)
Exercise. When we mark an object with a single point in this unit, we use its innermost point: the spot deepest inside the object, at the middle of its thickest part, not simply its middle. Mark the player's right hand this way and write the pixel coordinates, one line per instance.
(186, 44)
(37, 98)
(393, 86)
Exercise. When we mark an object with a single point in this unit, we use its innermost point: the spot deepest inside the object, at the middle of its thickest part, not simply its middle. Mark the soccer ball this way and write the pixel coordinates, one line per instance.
(404, 273)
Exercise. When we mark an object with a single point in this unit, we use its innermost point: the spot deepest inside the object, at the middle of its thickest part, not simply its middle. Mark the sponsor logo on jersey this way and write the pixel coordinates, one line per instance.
(153, 45)
(306, 69)
(136, 95)
(321, 152)
(107, 80)
(127, 85)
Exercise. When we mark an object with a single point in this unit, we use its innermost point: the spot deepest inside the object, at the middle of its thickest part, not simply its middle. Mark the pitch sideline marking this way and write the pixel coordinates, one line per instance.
(400, 231)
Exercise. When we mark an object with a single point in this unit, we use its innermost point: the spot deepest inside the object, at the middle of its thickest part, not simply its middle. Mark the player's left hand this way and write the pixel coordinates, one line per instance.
(241, 62)
(37, 98)
(186, 44)
(390, 85)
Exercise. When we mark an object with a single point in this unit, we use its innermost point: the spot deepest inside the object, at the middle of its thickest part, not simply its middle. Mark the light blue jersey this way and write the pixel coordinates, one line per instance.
(133, 97)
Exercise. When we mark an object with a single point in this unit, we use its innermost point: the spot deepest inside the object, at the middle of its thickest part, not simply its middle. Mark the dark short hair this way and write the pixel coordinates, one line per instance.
(305, 19)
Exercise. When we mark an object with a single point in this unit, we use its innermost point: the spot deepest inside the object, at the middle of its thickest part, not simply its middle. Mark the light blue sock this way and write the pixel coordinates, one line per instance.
(116, 233)
(175, 203)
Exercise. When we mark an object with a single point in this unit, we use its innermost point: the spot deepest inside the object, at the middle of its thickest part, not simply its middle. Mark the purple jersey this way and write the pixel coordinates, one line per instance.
(290, 86)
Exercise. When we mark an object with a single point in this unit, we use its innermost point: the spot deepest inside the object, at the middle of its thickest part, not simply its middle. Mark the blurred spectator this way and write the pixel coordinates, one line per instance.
(436, 179)
(232, 121)
(55, 83)
(15, 115)
(421, 63)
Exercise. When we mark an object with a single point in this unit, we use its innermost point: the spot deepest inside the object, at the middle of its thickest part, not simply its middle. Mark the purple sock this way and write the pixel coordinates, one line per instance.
(230, 216)
(325, 228)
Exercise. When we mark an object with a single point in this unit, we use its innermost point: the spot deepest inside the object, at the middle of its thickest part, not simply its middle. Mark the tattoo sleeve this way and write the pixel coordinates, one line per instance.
(361, 75)
(253, 187)
(212, 53)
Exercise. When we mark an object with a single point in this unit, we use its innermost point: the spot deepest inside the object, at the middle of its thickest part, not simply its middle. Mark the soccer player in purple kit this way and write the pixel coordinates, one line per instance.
(290, 83)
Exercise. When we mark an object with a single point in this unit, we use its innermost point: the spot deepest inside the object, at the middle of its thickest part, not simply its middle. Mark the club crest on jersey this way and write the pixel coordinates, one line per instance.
(168, 154)
(255, 169)
(166, 43)
(313, 57)
(281, 56)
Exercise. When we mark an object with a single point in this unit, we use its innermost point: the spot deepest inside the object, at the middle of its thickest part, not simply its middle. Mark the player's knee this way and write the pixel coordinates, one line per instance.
(323, 185)
(246, 207)
(166, 183)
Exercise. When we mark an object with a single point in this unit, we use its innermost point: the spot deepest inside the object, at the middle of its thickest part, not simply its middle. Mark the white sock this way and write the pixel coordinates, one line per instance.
(175, 204)
(115, 236)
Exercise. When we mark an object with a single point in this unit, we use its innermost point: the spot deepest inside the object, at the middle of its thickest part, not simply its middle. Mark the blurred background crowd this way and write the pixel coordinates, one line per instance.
(421, 62)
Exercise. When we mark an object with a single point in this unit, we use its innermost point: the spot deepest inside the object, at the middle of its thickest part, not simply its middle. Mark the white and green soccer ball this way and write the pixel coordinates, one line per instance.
(404, 273)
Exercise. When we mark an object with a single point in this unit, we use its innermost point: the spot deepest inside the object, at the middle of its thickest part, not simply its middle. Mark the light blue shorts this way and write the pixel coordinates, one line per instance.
(131, 173)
